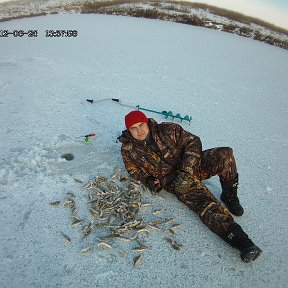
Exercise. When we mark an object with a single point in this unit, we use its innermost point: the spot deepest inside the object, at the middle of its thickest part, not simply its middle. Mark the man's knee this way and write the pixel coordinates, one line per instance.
(225, 152)
(229, 151)
(198, 198)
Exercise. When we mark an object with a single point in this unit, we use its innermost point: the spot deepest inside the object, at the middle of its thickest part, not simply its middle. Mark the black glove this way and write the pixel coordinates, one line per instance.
(182, 182)
(150, 183)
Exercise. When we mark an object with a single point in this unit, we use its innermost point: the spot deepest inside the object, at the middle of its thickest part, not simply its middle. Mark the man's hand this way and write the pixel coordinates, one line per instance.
(153, 184)
(182, 182)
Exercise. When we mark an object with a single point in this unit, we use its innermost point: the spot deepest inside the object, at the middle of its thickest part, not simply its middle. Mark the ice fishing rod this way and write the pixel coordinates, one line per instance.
(166, 114)
(87, 137)
(113, 99)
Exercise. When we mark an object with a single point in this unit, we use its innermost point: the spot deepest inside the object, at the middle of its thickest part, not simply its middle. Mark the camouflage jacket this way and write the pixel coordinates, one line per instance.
(175, 149)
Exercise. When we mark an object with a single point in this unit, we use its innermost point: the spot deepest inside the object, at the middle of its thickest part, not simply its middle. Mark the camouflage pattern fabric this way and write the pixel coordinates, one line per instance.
(170, 148)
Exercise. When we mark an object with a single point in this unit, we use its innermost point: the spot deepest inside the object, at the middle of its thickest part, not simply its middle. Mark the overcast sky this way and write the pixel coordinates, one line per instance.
(273, 11)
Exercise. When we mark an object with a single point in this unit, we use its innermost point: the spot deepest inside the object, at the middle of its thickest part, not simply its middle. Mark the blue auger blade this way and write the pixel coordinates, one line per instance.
(178, 116)
(187, 118)
(167, 114)
(170, 114)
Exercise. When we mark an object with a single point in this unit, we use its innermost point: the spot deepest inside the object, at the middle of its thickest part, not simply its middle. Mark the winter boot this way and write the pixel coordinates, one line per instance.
(230, 198)
(237, 238)
(250, 254)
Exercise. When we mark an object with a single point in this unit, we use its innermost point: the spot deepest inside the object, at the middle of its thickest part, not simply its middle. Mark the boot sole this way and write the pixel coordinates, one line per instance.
(252, 255)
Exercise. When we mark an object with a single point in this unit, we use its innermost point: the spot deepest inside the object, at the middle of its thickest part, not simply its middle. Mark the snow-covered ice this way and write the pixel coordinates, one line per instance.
(234, 88)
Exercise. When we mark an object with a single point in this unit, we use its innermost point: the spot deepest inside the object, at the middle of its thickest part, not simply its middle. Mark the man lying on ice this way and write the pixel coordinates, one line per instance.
(166, 156)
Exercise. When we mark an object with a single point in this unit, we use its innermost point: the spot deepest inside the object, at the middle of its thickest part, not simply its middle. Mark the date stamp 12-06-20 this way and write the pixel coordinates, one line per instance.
(35, 33)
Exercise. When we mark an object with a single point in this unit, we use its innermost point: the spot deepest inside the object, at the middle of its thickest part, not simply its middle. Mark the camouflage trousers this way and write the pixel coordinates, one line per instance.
(216, 161)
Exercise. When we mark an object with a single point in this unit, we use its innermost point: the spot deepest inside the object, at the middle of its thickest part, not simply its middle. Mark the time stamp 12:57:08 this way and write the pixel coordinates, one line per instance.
(35, 33)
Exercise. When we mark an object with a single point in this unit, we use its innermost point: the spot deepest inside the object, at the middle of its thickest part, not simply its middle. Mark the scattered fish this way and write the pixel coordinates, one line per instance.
(55, 203)
(86, 249)
(76, 223)
(122, 179)
(74, 210)
(113, 206)
(169, 221)
(133, 238)
(157, 212)
(143, 231)
(122, 253)
(74, 217)
(173, 243)
(153, 227)
(140, 249)
(137, 260)
(175, 226)
(104, 245)
(146, 205)
(169, 230)
(66, 238)
(123, 239)
(86, 230)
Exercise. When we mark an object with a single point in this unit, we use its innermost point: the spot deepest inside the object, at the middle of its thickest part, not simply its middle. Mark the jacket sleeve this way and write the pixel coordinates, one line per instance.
(134, 170)
(191, 147)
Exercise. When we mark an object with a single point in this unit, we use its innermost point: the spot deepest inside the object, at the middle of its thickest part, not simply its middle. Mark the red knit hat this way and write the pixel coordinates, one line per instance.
(135, 117)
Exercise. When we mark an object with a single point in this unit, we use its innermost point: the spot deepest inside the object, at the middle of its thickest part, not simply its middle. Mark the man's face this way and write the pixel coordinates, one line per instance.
(139, 131)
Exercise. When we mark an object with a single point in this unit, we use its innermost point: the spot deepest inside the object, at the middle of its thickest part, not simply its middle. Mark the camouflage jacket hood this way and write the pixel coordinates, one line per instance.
(168, 148)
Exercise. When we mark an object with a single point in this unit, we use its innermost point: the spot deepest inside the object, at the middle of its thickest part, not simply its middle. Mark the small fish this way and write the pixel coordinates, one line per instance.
(157, 212)
(146, 205)
(86, 249)
(55, 203)
(74, 210)
(123, 239)
(92, 201)
(141, 226)
(85, 234)
(135, 205)
(89, 185)
(169, 221)
(143, 231)
(86, 231)
(100, 180)
(66, 238)
(76, 223)
(98, 239)
(175, 226)
(102, 218)
(176, 245)
(70, 194)
(133, 238)
(69, 203)
(122, 253)
(74, 217)
(93, 212)
(132, 224)
(140, 249)
(104, 245)
(173, 243)
(171, 231)
(157, 221)
(90, 195)
(153, 227)
(77, 180)
(137, 260)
